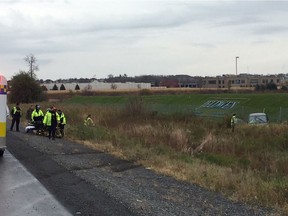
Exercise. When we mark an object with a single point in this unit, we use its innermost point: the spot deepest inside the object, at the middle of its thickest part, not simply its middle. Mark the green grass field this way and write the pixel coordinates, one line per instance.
(249, 165)
(275, 105)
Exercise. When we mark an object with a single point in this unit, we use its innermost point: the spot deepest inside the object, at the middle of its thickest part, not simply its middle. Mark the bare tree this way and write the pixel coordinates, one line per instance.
(31, 61)
(113, 86)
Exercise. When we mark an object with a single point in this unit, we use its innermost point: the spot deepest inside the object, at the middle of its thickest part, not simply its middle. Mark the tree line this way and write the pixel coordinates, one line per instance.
(26, 88)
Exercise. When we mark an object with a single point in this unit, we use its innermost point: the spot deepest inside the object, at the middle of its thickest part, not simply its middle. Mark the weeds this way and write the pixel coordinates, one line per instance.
(248, 165)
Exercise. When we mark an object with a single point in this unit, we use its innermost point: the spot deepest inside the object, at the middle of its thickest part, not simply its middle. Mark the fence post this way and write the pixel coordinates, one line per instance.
(280, 115)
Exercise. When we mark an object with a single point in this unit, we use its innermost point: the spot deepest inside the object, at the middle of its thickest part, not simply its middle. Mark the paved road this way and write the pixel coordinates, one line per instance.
(74, 193)
(88, 182)
(22, 194)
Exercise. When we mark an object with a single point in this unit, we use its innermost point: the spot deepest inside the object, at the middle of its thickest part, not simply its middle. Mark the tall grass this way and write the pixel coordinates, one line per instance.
(248, 165)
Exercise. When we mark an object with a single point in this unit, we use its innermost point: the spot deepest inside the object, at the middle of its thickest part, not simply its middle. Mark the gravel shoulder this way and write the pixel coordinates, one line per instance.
(89, 182)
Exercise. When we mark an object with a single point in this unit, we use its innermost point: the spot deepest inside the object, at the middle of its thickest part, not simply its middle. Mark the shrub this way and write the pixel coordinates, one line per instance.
(62, 87)
(44, 88)
(55, 87)
(77, 87)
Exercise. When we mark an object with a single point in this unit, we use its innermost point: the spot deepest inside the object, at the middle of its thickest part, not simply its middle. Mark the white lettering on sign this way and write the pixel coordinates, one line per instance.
(216, 104)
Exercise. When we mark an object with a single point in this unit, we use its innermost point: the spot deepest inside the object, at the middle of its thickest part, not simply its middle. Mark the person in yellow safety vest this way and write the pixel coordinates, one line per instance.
(88, 121)
(62, 121)
(37, 117)
(16, 113)
(233, 121)
(51, 120)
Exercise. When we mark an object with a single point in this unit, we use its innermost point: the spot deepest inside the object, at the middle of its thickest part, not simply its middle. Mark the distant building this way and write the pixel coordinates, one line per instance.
(169, 83)
(191, 82)
(179, 81)
(96, 85)
(241, 80)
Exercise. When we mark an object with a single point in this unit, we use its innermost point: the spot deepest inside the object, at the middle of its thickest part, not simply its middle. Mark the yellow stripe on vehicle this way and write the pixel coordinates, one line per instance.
(2, 129)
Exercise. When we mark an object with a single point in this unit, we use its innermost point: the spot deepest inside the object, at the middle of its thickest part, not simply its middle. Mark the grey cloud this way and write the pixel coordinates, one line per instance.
(30, 1)
(44, 61)
(163, 19)
(32, 45)
(180, 13)
(9, 1)
(241, 12)
(204, 45)
(170, 16)
(271, 30)
(238, 21)
(261, 42)
(26, 28)
(212, 14)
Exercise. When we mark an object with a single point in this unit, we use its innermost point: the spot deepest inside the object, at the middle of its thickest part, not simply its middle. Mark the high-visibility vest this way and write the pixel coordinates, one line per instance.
(62, 118)
(233, 120)
(88, 121)
(37, 115)
(16, 112)
(49, 117)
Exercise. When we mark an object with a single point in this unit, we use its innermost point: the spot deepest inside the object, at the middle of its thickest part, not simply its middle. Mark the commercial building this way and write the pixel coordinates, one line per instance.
(239, 81)
(96, 85)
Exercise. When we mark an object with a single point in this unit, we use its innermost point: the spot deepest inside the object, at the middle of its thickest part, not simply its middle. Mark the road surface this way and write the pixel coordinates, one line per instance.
(89, 182)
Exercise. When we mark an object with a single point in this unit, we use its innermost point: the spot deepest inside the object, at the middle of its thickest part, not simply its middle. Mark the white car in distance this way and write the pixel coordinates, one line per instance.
(258, 119)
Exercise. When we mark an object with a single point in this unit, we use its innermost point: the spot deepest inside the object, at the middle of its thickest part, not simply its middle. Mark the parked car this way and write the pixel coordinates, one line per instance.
(258, 119)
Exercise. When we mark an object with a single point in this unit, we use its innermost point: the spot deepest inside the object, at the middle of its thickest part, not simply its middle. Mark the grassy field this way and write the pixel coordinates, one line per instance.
(168, 134)
(275, 105)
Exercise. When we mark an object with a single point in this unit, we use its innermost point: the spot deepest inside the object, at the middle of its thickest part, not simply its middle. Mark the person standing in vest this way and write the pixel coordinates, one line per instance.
(62, 121)
(51, 120)
(16, 113)
(233, 121)
(37, 117)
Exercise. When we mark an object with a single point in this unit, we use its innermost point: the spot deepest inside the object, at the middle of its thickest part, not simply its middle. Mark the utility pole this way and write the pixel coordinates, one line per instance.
(237, 57)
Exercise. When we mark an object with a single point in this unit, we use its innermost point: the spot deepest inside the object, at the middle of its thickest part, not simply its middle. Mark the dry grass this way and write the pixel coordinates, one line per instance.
(248, 165)
(238, 186)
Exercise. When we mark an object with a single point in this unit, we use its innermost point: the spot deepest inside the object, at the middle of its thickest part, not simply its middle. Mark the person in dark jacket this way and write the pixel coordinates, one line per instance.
(29, 113)
(16, 114)
(51, 121)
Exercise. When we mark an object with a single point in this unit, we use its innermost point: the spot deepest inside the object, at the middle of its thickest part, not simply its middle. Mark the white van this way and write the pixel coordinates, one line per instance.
(258, 118)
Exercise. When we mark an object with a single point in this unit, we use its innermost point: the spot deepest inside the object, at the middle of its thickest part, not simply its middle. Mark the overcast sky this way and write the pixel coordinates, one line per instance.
(96, 38)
